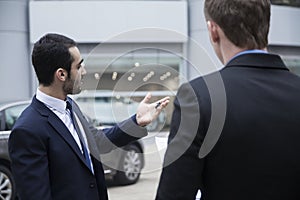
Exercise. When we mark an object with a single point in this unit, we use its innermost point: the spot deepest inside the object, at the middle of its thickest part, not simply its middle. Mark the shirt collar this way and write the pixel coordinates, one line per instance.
(247, 52)
(51, 102)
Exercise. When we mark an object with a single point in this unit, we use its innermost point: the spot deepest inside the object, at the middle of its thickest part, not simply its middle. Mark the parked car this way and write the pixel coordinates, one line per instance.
(121, 166)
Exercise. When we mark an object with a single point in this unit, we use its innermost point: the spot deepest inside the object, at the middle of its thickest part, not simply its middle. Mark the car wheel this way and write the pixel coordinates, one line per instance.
(7, 184)
(130, 166)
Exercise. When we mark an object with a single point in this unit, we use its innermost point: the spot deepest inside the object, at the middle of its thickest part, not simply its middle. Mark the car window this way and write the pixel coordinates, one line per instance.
(102, 99)
(94, 99)
(12, 114)
(1, 121)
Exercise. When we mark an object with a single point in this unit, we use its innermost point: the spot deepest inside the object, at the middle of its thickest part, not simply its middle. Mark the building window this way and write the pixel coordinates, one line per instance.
(294, 3)
(155, 70)
(120, 75)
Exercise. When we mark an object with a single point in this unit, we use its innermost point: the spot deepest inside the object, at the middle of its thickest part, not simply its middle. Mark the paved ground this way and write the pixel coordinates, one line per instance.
(145, 188)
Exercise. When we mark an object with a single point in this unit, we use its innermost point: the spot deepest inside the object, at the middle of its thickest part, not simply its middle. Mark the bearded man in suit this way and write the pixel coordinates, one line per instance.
(54, 151)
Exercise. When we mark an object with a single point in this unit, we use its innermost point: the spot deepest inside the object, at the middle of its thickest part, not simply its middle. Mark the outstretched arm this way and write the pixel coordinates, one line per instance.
(126, 131)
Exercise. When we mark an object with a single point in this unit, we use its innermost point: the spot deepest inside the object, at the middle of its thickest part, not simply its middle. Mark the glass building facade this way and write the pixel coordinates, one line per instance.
(155, 66)
(294, 3)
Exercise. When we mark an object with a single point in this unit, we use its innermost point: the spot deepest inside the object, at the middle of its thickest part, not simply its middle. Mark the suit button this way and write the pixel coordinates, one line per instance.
(92, 185)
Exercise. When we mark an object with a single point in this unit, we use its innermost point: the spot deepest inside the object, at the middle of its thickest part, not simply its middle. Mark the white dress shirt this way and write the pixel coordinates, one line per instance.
(58, 106)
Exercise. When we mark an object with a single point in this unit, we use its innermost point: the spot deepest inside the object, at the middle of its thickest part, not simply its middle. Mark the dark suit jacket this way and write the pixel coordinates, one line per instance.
(47, 163)
(244, 123)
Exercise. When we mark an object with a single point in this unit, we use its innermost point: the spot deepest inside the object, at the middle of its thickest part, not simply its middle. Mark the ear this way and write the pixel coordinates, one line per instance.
(213, 31)
(61, 74)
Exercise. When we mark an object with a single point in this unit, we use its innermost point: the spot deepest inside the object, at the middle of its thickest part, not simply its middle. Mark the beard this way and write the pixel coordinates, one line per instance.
(72, 86)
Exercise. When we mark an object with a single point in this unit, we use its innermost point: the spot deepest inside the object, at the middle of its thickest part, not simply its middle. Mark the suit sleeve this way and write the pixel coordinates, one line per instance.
(29, 163)
(181, 175)
(119, 135)
(106, 140)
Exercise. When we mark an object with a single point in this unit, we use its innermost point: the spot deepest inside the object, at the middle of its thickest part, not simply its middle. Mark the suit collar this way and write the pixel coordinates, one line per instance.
(40, 107)
(258, 60)
(58, 126)
(52, 102)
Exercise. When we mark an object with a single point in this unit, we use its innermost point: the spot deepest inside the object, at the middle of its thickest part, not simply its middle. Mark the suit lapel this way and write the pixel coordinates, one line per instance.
(62, 130)
(58, 126)
(93, 147)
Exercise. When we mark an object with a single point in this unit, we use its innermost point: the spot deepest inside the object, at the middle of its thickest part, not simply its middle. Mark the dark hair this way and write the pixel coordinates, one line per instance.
(244, 22)
(49, 53)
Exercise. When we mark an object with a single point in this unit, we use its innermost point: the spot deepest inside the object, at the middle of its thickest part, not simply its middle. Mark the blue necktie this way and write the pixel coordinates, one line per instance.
(85, 152)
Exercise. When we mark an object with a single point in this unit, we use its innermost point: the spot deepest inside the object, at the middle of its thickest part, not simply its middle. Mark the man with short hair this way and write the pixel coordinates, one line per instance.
(54, 151)
(235, 132)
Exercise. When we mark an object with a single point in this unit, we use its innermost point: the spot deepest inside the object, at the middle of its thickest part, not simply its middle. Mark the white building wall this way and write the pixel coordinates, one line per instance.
(111, 21)
(15, 73)
(285, 29)
(201, 57)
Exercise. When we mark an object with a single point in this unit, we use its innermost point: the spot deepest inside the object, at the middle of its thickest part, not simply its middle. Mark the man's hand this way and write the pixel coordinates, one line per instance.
(147, 112)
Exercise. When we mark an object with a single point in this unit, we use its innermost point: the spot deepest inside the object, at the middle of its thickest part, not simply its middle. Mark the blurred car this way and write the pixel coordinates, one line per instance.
(121, 166)
(8, 115)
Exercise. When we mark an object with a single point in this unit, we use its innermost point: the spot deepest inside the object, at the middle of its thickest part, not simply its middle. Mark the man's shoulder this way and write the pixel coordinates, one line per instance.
(205, 81)
(30, 118)
(203, 88)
